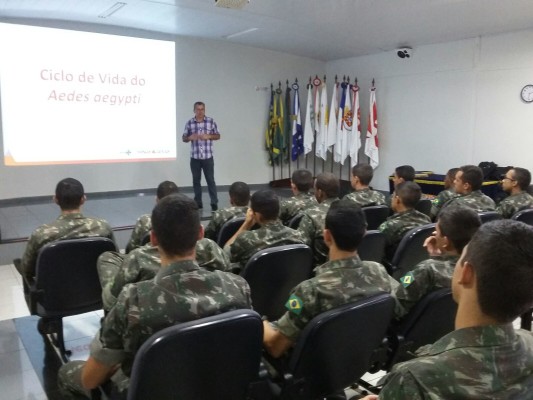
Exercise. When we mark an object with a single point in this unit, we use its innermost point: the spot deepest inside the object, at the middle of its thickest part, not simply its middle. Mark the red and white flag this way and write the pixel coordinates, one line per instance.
(355, 137)
(371, 142)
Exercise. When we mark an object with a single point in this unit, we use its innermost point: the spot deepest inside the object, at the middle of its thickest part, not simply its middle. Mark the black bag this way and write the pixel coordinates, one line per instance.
(489, 168)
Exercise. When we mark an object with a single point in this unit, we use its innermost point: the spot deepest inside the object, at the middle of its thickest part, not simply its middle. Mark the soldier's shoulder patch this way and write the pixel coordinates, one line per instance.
(407, 279)
(294, 304)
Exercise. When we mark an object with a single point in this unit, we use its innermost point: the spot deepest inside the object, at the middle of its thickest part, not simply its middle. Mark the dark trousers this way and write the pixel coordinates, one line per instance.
(209, 173)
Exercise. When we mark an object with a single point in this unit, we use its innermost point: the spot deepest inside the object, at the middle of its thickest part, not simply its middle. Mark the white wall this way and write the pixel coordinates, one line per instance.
(451, 104)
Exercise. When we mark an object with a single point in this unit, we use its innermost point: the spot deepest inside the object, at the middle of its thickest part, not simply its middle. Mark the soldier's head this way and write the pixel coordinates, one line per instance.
(516, 179)
(455, 227)
(403, 173)
(165, 188)
(266, 203)
(327, 186)
(345, 225)
(69, 194)
(405, 197)
(362, 174)
(496, 270)
(467, 179)
(176, 225)
(239, 194)
(302, 180)
(450, 177)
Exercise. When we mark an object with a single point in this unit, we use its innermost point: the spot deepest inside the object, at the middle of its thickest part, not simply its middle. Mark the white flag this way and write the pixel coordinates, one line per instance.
(332, 120)
(337, 153)
(309, 124)
(371, 142)
(355, 137)
(322, 131)
(347, 122)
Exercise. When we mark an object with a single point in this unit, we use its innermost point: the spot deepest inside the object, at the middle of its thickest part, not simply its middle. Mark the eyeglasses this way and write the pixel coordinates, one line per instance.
(503, 177)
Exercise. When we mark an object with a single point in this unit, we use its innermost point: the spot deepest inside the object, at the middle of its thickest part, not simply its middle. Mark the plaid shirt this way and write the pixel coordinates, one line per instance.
(201, 149)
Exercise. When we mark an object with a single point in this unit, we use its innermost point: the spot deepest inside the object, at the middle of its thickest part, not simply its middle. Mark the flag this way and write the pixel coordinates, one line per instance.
(277, 139)
(371, 142)
(355, 137)
(347, 122)
(332, 119)
(337, 154)
(321, 149)
(309, 124)
(297, 131)
(287, 129)
(269, 134)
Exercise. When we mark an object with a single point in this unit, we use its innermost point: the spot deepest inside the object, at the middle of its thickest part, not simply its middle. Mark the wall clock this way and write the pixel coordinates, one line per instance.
(527, 94)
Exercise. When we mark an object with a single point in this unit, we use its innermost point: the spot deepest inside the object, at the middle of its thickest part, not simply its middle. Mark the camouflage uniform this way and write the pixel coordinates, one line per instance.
(440, 200)
(366, 197)
(117, 270)
(66, 226)
(250, 242)
(312, 230)
(180, 292)
(289, 208)
(142, 227)
(427, 276)
(484, 363)
(475, 200)
(514, 203)
(335, 283)
(397, 225)
(220, 217)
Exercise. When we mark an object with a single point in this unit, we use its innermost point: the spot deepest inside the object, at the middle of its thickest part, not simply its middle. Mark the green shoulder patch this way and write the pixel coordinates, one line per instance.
(294, 304)
(407, 279)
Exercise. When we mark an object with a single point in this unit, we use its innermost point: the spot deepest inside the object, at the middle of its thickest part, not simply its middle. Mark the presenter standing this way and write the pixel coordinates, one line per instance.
(201, 131)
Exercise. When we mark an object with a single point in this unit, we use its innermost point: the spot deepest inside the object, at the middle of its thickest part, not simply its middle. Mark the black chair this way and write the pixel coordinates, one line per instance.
(229, 229)
(273, 272)
(525, 216)
(216, 357)
(372, 247)
(411, 250)
(525, 320)
(66, 283)
(295, 221)
(430, 319)
(375, 216)
(424, 206)
(336, 348)
(487, 216)
(146, 239)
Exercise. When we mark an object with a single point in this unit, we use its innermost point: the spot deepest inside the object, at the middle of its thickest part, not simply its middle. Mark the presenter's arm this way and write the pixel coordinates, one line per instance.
(190, 138)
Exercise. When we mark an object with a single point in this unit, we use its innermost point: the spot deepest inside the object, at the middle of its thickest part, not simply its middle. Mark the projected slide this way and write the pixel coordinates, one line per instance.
(72, 97)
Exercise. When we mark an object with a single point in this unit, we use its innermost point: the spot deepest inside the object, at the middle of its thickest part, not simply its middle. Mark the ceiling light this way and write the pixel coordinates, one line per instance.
(239, 33)
(111, 10)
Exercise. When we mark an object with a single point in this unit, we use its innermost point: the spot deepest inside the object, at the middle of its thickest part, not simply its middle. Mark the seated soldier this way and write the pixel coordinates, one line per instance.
(405, 217)
(301, 183)
(144, 223)
(181, 291)
(71, 224)
(446, 194)
(515, 182)
(327, 188)
(485, 358)
(364, 196)
(453, 230)
(239, 197)
(343, 279)
(264, 211)
(467, 184)
(403, 173)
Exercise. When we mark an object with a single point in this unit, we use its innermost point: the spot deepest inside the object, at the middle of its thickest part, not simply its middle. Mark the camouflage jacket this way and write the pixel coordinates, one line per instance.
(66, 226)
(514, 203)
(397, 225)
(440, 200)
(335, 283)
(427, 276)
(483, 363)
(180, 292)
(289, 208)
(312, 229)
(144, 262)
(366, 197)
(250, 242)
(141, 228)
(220, 217)
(475, 200)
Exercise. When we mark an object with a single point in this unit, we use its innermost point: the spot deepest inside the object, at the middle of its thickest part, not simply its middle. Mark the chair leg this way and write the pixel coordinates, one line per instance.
(53, 328)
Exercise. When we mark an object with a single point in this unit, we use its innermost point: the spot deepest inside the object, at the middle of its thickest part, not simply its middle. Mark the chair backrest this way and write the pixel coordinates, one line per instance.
(487, 216)
(411, 251)
(67, 277)
(372, 247)
(375, 216)
(228, 230)
(335, 349)
(424, 206)
(273, 272)
(295, 221)
(525, 216)
(145, 239)
(211, 358)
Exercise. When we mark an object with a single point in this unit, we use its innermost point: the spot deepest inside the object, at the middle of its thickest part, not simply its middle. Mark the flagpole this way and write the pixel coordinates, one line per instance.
(296, 116)
(287, 107)
(272, 140)
(307, 87)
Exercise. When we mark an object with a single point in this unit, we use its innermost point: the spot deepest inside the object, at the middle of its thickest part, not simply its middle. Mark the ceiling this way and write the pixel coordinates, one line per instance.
(320, 29)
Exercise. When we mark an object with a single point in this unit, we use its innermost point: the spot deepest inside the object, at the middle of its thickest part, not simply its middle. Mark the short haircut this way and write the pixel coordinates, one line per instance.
(458, 224)
(69, 194)
(302, 179)
(165, 188)
(239, 192)
(522, 177)
(472, 175)
(329, 184)
(406, 172)
(176, 224)
(266, 203)
(347, 224)
(198, 103)
(364, 172)
(409, 193)
(502, 257)
(451, 173)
